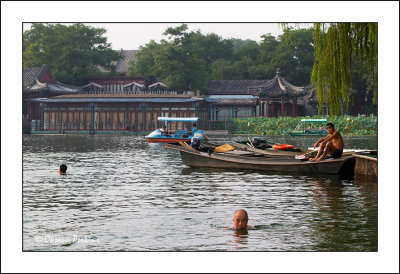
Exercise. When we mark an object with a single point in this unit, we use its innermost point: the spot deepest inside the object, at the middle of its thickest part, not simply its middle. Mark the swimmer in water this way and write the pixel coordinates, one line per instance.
(240, 220)
(63, 169)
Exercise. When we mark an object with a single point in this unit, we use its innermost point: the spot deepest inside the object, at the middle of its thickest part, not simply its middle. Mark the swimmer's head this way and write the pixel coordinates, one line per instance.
(62, 169)
(240, 219)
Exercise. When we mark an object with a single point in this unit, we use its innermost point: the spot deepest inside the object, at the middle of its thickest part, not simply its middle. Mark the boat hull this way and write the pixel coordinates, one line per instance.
(307, 134)
(194, 158)
(166, 140)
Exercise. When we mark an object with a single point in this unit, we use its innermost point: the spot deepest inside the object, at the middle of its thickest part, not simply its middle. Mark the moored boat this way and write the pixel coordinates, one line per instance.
(302, 130)
(175, 136)
(194, 158)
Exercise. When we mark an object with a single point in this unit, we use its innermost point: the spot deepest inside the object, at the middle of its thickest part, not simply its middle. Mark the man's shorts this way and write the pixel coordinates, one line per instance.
(337, 154)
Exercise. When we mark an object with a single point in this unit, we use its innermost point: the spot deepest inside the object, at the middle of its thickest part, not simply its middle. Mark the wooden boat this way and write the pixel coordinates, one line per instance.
(194, 158)
(301, 128)
(158, 136)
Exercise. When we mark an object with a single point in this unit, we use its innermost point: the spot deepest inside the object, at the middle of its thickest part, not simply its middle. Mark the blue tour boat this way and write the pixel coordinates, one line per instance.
(175, 136)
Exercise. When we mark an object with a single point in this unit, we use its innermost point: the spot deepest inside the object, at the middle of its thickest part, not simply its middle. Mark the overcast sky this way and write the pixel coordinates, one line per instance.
(133, 35)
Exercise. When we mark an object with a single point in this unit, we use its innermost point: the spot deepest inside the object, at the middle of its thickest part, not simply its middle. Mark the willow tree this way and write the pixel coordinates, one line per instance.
(336, 47)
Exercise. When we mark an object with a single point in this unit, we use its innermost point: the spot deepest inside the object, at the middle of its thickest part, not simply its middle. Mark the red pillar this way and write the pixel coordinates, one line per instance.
(259, 109)
(282, 105)
(267, 110)
(273, 109)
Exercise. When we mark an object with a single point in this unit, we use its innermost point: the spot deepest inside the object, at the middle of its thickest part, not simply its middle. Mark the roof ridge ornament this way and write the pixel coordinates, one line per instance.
(281, 85)
(278, 71)
(40, 84)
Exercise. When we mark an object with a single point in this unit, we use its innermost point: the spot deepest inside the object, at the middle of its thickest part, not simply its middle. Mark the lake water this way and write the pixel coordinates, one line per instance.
(123, 194)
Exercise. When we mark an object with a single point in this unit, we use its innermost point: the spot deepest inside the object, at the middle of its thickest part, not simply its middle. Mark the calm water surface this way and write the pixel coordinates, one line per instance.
(122, 194)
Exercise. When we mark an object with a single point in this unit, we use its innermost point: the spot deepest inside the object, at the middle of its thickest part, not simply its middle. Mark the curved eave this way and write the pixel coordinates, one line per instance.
(278, 87)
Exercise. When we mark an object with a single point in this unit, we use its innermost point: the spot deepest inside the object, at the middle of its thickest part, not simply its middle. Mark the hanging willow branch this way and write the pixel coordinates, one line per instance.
(336, 45)
(334, 50)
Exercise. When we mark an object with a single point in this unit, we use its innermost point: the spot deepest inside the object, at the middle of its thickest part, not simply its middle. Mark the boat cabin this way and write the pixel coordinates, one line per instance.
(310, 127)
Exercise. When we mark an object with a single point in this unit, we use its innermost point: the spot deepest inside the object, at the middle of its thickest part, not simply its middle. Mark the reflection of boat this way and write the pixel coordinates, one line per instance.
(194, 158)
(169, 136)
(302, 130)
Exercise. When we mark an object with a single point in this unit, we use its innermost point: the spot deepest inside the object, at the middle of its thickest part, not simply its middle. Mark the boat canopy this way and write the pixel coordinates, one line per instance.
(178, 119)
(314, 120)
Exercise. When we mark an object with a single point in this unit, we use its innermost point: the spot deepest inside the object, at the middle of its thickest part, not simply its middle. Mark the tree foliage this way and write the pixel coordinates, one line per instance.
(184, 60)
(335, 57)
(252, 60)
(336, 47)
(72, 52)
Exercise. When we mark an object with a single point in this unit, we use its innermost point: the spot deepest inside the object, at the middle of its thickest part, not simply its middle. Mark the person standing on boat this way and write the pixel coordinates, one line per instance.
(240, 220)
(163, 130)
(330, 145)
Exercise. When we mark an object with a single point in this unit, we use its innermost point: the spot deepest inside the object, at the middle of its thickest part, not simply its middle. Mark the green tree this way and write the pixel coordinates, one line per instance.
(223, 69)
(267, 48)
(180, 63)
(248, 50)
(336, 46)
(294, 56)
(72, 52)
(144, 64)
(183, 60)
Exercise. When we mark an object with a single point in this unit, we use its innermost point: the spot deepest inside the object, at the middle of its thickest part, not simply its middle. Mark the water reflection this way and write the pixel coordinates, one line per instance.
(341, 215)
(240, 237)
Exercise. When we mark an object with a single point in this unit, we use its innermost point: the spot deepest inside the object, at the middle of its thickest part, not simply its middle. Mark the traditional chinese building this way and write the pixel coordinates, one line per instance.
(232, 99)
(38, 82)
(278, 97)
(98, 113)
(106, 103)
(247, 98)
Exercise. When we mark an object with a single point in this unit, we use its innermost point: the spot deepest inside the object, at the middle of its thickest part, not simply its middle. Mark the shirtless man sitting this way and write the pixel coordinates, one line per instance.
(330, 145)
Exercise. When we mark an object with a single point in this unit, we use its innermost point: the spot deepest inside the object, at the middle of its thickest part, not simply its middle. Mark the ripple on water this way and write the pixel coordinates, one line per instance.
(121, 193)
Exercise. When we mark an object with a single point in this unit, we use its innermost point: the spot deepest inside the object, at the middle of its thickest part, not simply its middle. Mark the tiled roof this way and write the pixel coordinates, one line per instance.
(116, 100)
(232, 99)
(232, 86)
(124, 96)
(92, 85)
(278, 86)
(235, 102)
(32, 82)
(134, 84)
(29, 77)
(121, 66)
(312, 97)
(127, 56)
(158, 86)
(54, 88)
